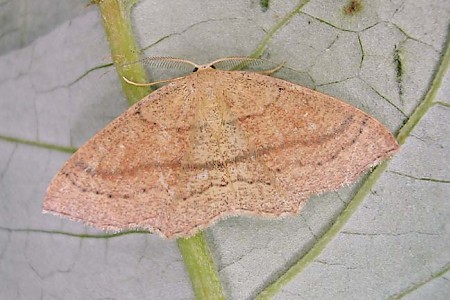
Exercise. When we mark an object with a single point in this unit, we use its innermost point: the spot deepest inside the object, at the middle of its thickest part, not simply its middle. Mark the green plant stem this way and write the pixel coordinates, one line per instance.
(38, 144)
(258, 52)
(430, 97)
(200, 266)
(124, 49)
(116, 20)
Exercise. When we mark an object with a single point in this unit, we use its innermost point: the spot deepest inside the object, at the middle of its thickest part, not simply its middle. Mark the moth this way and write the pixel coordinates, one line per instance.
(212, 144)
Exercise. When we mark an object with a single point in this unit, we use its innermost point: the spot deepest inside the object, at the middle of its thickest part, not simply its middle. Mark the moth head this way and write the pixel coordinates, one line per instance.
(203, 67)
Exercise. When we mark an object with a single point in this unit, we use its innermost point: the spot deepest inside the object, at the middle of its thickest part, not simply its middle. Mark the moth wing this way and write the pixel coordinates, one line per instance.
(312, 142)
(120, 178)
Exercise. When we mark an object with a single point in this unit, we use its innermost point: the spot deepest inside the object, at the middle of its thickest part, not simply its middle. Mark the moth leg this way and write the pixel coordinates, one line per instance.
(271, 71)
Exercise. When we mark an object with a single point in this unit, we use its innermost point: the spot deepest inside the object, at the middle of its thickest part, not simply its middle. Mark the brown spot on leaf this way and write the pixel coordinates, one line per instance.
(353, 7)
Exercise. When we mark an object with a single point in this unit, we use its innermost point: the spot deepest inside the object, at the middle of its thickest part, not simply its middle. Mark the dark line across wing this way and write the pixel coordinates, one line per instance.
(243, 157)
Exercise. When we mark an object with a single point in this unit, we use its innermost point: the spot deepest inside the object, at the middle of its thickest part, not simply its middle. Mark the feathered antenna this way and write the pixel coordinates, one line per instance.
(167, 62)
(238, 63)
(227, 63)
